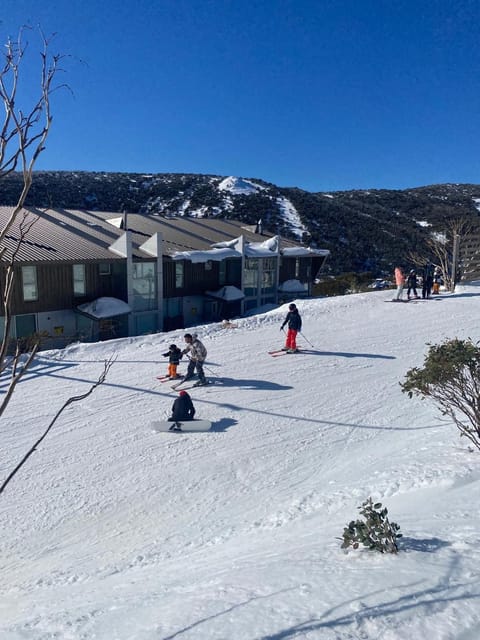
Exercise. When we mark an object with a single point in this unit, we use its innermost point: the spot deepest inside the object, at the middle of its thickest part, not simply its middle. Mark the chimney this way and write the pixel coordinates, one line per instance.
(123, 224)
(259, 227)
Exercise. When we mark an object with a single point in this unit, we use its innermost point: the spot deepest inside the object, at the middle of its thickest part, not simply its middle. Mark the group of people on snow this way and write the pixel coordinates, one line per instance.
(431, 279)
(182, 408)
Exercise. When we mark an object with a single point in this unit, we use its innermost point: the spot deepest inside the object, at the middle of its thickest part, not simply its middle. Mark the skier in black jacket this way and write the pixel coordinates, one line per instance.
(174, 355)
(294, 322)
(412, 284)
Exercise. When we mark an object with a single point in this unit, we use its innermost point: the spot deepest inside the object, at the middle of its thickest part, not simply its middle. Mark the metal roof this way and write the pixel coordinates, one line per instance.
(66, 235)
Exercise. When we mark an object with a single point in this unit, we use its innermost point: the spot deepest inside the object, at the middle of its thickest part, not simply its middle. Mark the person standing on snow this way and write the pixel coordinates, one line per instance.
(196, 354)
(294, 322)
(412, 284)
(400, 282)
(437, 280)
(174, 355)
(427, 281)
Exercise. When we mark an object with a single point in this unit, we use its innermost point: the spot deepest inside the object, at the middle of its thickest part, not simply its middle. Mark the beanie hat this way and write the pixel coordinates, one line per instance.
(292, 307)
(183, 393)
(173, 346)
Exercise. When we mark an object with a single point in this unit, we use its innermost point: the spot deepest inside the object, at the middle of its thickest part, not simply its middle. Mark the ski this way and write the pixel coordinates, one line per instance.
(195, 385)
(166, 378)
(175, 386)
(280, 352)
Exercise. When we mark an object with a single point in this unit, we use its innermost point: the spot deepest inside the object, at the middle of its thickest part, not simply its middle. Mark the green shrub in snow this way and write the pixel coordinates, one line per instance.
(375, 532)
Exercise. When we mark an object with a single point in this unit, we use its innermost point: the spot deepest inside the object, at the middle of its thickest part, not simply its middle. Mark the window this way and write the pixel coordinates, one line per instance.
(29, 283)
(104, 269)
(297, 268)
(25, 325)
(222, 272)
(269, 275)
(179, 275)
(208, 265)
(250, 277)
(144, 286)
(79, 283)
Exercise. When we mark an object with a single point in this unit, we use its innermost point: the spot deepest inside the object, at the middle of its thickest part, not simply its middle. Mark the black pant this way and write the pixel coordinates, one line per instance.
(191, 369)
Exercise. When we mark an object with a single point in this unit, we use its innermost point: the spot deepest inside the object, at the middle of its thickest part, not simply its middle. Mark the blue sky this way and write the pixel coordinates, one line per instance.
(319, 94)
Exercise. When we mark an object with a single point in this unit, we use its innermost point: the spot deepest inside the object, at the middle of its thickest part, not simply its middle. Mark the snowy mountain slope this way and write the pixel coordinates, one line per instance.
(113, 531)
(365, 230)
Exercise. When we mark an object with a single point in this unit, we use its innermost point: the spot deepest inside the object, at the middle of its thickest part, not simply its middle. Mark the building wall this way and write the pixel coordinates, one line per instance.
(55, 287)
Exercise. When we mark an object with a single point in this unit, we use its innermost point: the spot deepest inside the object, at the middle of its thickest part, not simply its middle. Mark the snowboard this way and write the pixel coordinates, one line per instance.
(188, 425)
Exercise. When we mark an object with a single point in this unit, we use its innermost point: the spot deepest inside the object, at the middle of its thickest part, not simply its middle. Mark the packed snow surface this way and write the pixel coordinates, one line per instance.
(113, 532)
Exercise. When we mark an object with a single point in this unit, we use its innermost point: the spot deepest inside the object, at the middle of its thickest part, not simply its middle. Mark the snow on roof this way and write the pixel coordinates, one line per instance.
(226, 244)
(262, 249)
(304, 251)
(228, 293)
(205, 256)
(239, 186)
(292, 286)
(105, 308)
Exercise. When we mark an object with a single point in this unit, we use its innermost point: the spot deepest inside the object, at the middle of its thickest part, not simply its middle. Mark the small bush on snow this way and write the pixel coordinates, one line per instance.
(375, 532)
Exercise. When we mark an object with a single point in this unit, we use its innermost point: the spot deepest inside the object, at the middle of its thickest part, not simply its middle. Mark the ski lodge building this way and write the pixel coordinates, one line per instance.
(89, 275)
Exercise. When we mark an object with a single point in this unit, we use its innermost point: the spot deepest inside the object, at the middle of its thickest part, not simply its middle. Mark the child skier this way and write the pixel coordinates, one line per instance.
(174, 355)
(294, 322)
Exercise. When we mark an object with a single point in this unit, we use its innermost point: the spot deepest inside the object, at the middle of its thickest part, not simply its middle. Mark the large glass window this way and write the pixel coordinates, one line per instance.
(269, 275)
(144, 286)
(29, 283)
(250, 277)
(179, 275)
(79, 280)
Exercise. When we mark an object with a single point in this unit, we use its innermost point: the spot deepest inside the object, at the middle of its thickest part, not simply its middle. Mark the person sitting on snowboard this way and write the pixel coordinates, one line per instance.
(182, 409)
(196, 354)
(294, 322)
(174, 355)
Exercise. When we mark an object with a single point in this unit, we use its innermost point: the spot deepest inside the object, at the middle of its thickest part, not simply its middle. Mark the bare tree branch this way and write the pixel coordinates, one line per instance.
(439, 248)
(23, 134)
(106, 368)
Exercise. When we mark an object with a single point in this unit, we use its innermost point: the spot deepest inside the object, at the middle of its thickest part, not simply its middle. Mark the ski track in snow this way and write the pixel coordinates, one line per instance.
(112, 531)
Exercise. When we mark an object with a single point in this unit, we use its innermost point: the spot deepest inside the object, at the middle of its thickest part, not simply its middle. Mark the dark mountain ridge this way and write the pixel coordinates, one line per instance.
(365, 230)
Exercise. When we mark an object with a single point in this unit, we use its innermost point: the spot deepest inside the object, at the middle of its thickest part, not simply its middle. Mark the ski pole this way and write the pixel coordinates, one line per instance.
(203, 365)
(306, 339)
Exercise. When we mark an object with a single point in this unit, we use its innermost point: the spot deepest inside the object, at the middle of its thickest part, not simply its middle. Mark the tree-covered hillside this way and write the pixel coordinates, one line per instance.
(364, 230)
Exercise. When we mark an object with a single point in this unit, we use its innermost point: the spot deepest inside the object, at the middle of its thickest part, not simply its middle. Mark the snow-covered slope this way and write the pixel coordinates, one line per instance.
(112, 531)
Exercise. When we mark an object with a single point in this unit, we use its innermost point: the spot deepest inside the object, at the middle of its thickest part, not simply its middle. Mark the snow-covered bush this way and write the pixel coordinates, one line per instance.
(375, 532)
(451, 376)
